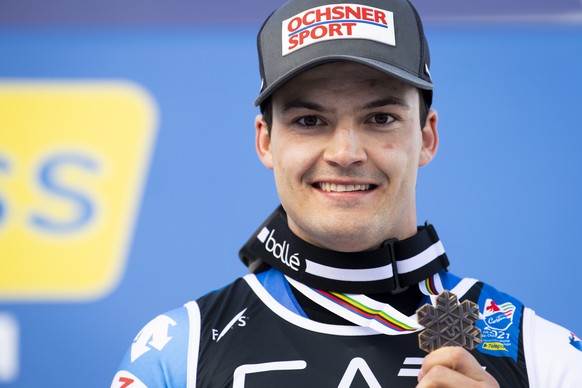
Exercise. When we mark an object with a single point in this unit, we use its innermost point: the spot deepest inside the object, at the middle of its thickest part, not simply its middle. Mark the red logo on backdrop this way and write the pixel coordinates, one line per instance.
(339, 21)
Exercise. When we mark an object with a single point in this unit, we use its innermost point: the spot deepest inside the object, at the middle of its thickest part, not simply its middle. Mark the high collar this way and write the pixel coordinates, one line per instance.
(394, 266)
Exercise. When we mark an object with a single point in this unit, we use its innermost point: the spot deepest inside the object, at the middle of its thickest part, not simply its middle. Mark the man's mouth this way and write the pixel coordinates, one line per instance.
(340, 188)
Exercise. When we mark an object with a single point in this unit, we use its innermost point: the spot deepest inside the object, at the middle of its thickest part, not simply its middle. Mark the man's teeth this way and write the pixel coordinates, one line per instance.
(334, 187)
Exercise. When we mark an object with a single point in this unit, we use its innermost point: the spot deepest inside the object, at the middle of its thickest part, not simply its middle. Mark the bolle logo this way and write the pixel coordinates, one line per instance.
(279, 250)
(338, 21)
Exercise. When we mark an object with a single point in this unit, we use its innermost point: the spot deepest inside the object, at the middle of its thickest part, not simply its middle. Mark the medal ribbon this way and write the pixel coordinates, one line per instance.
(337, 281)
(361, 310)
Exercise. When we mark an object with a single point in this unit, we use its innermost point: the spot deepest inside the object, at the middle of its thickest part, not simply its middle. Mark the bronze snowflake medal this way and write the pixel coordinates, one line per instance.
(449, 323)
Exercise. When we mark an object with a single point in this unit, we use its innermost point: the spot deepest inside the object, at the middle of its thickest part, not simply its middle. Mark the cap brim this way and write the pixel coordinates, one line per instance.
(396, 72)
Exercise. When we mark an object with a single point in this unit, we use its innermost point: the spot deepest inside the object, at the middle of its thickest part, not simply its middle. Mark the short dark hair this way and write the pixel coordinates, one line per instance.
(425, 100)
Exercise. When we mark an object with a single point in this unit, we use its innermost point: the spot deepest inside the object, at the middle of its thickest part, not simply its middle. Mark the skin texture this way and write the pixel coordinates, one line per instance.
(345, 147)
(347, 124)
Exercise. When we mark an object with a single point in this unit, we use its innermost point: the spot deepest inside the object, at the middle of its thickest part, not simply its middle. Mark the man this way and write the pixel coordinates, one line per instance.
(339, 270)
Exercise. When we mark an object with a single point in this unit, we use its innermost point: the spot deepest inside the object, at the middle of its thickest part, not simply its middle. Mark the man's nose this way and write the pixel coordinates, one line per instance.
(345, 148)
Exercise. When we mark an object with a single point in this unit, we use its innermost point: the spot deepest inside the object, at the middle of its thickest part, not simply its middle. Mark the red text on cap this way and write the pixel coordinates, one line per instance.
(340, 21)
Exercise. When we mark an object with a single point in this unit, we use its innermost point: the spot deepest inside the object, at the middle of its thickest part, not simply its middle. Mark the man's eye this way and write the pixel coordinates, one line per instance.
(381, 118)
(308, 121)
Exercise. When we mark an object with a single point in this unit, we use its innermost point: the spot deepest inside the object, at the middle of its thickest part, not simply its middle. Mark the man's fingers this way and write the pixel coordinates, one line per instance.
(455, 367)
(455, 358)
(441, 376)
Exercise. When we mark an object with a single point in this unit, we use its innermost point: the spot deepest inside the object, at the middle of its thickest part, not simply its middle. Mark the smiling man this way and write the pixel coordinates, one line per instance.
(339, 270)
(345, 144)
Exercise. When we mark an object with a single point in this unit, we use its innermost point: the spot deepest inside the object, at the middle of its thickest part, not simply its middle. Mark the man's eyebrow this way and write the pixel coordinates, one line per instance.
(310, 105)
(387, 101)
(301, 104)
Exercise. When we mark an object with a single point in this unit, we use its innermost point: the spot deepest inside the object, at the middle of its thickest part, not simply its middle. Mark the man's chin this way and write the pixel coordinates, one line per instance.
(345, 239)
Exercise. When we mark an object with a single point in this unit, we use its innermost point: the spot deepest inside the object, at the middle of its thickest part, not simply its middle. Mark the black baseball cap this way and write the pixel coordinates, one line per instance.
(386, 35)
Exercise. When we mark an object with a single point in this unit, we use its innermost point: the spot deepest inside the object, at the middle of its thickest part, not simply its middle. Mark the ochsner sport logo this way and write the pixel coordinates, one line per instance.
(338, 21)
(279, 250)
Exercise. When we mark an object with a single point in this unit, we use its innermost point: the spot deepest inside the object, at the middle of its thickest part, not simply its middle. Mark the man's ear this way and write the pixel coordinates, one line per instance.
(263, 142)
(430, 139)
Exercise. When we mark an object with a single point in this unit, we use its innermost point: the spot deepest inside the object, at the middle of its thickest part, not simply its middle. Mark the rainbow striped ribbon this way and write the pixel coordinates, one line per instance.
(431, 285)
(361, 310)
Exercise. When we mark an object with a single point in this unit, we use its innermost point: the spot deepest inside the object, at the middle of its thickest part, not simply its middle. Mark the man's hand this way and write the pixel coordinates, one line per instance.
(453, 366)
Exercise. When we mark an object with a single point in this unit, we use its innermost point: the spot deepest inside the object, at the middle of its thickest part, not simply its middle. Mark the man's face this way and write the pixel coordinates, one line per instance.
(345, 147)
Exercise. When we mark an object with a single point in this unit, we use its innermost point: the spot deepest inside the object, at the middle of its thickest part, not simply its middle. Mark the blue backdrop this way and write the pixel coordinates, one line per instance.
(504, 191)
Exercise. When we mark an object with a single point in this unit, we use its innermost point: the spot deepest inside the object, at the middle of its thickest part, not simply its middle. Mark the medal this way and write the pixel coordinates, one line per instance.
(448, 323)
